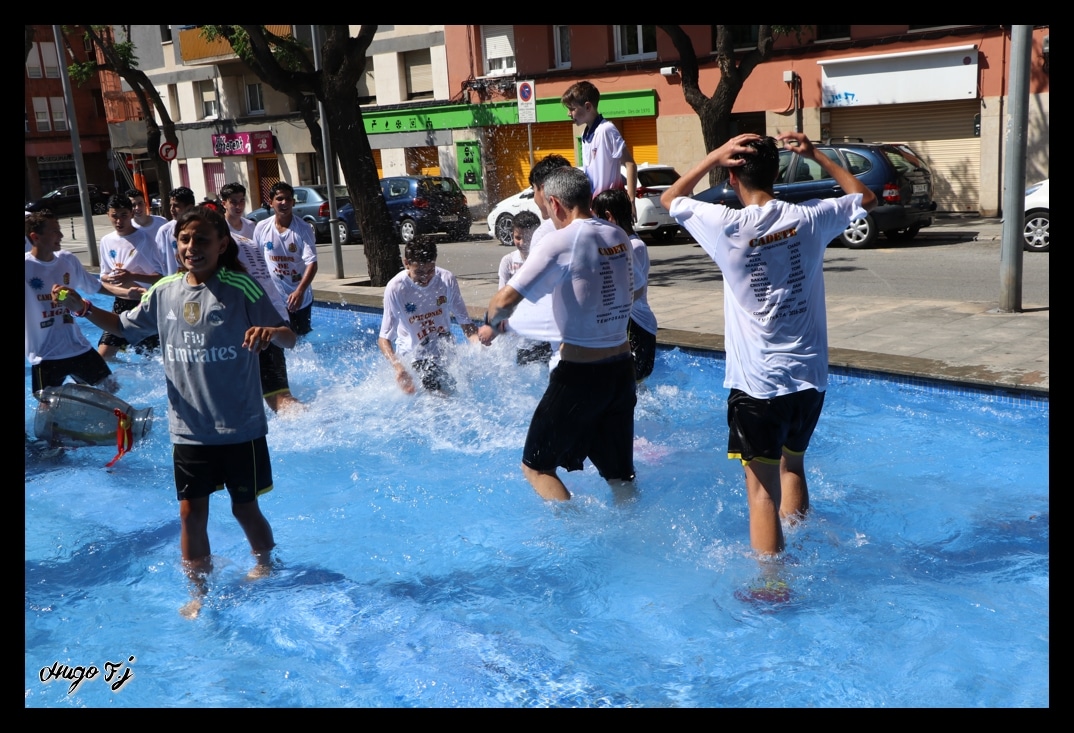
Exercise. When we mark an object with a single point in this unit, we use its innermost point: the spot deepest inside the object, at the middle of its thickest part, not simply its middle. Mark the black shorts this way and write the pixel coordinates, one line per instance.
(244, 468)
(273, 365)
(122, 305)
(587, 412)
(301, 320)
(87, 368)
(533, 352)
(434, 377)
(643, 347)
(764, 429)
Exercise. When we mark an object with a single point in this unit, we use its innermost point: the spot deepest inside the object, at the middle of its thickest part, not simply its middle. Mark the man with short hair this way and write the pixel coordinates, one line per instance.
(180, 201)
(290, 248)
(142, 219)
(771, 258)
(588, 409)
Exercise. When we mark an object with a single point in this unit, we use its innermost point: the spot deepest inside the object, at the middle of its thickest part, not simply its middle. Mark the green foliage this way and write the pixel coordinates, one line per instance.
(82, 71)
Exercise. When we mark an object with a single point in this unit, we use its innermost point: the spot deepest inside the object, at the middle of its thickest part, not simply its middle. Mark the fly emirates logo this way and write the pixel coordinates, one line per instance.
(193, 350)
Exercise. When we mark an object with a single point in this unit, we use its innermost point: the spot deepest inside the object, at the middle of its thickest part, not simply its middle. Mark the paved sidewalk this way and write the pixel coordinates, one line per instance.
(966, 342)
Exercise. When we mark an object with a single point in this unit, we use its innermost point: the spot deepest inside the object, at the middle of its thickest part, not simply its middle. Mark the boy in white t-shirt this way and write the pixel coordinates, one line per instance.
(55, 345)
(419, 305)
(604, 151)
(771, 256)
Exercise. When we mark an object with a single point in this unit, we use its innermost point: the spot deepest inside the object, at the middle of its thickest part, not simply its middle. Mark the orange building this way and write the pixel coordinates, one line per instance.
(940, 89)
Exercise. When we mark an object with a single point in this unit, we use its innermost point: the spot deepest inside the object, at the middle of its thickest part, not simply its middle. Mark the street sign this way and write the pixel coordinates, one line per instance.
(527, 102)
(167, 151)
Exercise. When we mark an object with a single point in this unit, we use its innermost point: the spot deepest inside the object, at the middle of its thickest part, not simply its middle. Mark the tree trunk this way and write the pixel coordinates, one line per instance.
(356, 160)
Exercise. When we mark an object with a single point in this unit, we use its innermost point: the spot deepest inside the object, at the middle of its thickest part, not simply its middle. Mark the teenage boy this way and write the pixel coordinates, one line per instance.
(419, 305)
(290, 249)
(588, 409)
(604, 151)
(129, 266)
(142, 218)
(180, 201)
(771, 257)
(233, 199)
(55, 345)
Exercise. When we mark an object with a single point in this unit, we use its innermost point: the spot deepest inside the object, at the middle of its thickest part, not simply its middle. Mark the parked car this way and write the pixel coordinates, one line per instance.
(426, 205)
(653, 219)
(899, 178)
(348, 225)
(67, 200)
(1036, 226)
(311, 204)
(501, 219)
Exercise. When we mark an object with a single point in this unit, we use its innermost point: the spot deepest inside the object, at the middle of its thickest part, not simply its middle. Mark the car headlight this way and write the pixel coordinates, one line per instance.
(1034, 188)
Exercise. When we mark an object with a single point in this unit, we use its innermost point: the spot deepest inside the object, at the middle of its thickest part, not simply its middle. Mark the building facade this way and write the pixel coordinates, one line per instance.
(50, 161)
(940, 89)
(233, 127)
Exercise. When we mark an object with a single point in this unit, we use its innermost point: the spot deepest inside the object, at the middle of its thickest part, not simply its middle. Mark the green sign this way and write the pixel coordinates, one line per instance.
(640, 103)
(468, 155)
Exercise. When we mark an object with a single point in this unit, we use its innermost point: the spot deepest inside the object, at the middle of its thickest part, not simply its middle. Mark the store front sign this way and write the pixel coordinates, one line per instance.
(243, 143)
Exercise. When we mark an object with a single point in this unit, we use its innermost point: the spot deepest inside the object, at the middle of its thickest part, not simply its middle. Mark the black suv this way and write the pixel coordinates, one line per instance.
(68, 200)
(901, 181)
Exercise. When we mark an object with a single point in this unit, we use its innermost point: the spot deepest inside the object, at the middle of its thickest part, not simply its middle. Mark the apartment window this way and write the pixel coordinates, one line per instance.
(832, 32)
(49, 60)
(419, 74)
(561, 37)
(173, 101)
(33, 62)
(255, 102)
(207, 92)
(499, 43)
(634, 42)
(367, 85)
(27, 115)
(742, 36)
(165, 34)
(41, 116)
(59, 113)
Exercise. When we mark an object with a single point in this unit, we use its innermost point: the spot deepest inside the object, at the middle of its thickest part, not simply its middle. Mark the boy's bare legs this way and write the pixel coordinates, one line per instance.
(763, 492)
(546, 484)
(194, 540)
(258, 534)
(795, 494)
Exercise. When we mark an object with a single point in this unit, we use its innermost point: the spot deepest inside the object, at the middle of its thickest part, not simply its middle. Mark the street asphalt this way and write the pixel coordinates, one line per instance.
(971, 343)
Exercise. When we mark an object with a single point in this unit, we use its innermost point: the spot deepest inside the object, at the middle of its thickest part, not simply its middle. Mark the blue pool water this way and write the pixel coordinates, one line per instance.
(417, 568)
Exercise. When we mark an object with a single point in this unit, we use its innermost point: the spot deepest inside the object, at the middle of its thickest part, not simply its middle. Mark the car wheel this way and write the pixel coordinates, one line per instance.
(861, 233)
(460, 234)
(1036, 233)
(343, 231)
(902, 235)
(101, 207)
(408, 231)
(505, 226)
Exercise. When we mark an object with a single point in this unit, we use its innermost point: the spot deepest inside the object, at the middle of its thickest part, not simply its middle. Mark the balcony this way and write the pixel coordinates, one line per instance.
(194, 49)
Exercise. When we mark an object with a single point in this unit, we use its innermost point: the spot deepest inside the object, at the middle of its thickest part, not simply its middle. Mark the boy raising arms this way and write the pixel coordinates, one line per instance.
(55, 346)
(603, 149)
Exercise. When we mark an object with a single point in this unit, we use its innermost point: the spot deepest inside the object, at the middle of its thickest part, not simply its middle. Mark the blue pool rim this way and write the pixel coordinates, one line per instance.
(1005, 395)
